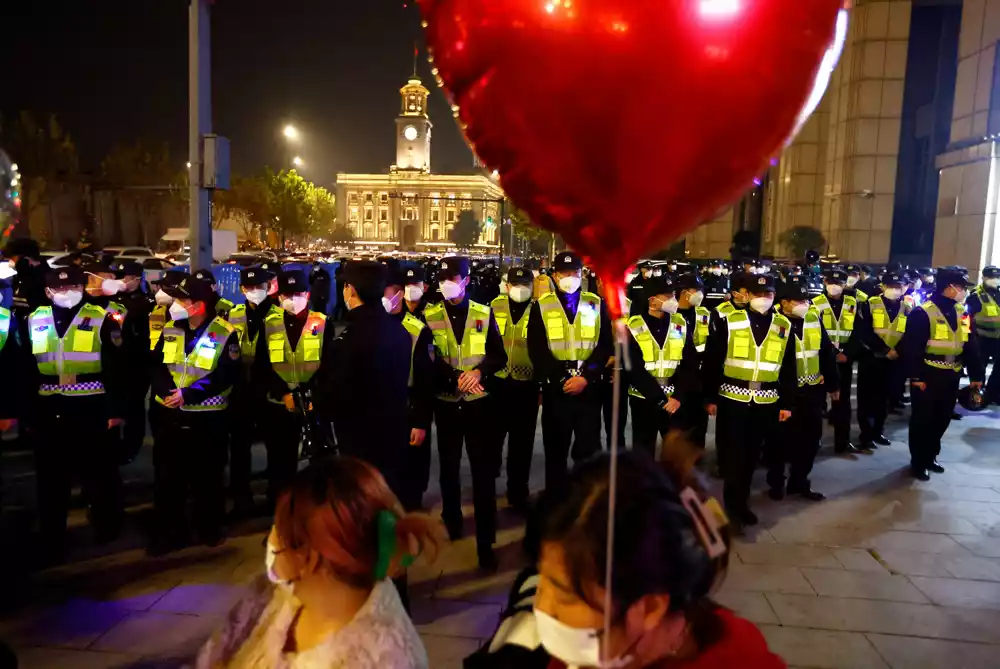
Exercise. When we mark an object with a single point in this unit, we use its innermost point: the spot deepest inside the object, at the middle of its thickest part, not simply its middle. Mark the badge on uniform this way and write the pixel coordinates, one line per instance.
(116, 338)
(234, 351)
(479, 326)
(781, 332)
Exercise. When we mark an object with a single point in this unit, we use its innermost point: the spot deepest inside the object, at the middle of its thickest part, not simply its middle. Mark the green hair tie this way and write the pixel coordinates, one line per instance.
(387, 545)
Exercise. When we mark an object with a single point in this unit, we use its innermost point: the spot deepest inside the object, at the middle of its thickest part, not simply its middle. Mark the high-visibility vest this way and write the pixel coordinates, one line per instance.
(660, 361)
(78, 352)
(223, 307)
(701, 320)
(467, 355)
(889, 331)
(860, 295)
(838, 329)
(726, 308)
(4, 326)
(186, 368)
(157, 320)
(571, 342)
(238, 318)
(944, 346)
(414, 326)
(807, 350)
(515, 340)
(988, 319)
(745, 361)
(298, 366)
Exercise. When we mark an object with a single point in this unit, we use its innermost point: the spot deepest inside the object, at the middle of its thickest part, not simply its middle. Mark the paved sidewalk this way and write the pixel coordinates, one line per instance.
(888, 572)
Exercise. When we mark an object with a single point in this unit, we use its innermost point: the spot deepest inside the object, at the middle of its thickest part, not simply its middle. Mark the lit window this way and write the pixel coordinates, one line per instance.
(352, 198)
(451, 216)
(354, 214)
(369, 198)
(383, 198)
(369, 214)
(383, 214)
(435, 216)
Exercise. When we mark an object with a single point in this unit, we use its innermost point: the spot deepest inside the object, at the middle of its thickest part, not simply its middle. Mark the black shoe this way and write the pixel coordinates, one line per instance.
(846, 449)
(777, 494)
(749, 518)
(881, 440)
(867, 445)
(920, 474)
(455, 530)
(935, 467)
(809, 494)
(956, 416)
(488, 561)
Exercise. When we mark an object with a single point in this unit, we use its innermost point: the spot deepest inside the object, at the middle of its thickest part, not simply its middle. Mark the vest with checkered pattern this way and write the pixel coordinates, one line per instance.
(988, 319)
(185, 369)
(463, 357)
(78, 352)
(298, 366)
(515, 340)
(571, 342)
(945, 346)
(660, 361)
(748, 362)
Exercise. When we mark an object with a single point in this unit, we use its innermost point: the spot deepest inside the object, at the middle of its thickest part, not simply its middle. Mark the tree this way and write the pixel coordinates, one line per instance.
(539, 239)
(246, 202)
(324, 211)
(465, 234)
(341, 235)
(290, 209)
(800, 239)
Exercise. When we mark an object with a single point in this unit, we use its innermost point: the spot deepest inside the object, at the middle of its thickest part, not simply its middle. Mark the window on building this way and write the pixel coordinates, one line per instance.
(383, 214)
(383, 198)
(369, 231)
(409, 214)
(369, 198)
(435, 215)
(369, 214)
(451, 216)
(435, 233)
(383, 231)
(354, 215)
(352, 198)
(448, 229)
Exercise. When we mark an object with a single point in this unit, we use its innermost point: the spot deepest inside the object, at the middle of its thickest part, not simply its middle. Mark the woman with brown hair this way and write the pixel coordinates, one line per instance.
(339, 535)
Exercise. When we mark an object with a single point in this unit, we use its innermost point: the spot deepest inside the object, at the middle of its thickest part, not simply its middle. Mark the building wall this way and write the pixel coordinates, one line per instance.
(713, 238)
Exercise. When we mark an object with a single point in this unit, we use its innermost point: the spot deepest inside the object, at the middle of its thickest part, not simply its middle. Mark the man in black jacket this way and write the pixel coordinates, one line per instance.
(135, 330)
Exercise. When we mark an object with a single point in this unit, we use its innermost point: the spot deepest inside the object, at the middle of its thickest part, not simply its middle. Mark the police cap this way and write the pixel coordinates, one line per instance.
(124, 268)
(991, 272)
(293, 281)
(205, 274)
(761, 283)
(414, 275)
(835, 276)
(452, 267)
(520, 276)
(192, 288)
(62, 277)
(853, 269)
(255, 276)
(659, 285)
(951, 277)
(567, 261)
(795, 288)
(172, 278)
(892, 279)
(690, 280)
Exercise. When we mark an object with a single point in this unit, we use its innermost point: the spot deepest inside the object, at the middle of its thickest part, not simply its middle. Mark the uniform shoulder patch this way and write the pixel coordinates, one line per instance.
(234, 351)
(116, 337)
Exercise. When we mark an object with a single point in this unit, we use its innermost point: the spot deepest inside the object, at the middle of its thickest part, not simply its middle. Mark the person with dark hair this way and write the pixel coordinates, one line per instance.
(28, 285)
(222, 305)
(415, 291)
(983, 308)
(135, 332)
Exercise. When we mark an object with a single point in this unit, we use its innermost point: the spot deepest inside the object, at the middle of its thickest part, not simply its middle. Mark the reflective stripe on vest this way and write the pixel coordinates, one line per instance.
(745, 361)
(185, 369)
(571, 342)
(515, 340)
(988, 319)
(414, 326)
(701, 320)
(157, 319)
(837, 329)
(298, 366)
(726, 308)
(944, 346)
(77, 352)
(4, 326)
(248, 346)
(660, 361)
(890, 332)
(465, 356)
(807, 350)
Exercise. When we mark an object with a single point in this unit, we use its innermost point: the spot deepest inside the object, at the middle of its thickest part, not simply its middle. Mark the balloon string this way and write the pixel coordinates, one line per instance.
(620, 348)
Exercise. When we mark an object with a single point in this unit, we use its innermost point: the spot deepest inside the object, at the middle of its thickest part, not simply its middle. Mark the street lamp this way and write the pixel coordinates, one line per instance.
(297, 161)
(291, 132)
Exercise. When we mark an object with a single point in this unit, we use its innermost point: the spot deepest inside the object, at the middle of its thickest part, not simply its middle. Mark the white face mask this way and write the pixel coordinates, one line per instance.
(112, 286)
(177, 312)
(413, 293)
(657, 272)
(67, 299)
(762, 304)
(892, 293)
(256, 295)
(717, 271)
(851, 280)
(162, 299)
(295, 304)
(961, 296)
(272, 576)
(520, 293)
(834, 290)
(7, 271)
(917, 284)
(800, 309)
(575, 647)
(569, 284)
(451, 290)
(669, 306)
(696, 299)
(991, 283)
(390, 303)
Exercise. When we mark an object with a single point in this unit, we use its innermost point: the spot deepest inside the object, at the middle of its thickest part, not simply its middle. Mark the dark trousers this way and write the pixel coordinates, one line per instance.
(840, 413)
(189, 458)
(72, 443)
(469, 423)
(649, 424)
(989, 349)
(693, 419)
(282, 434)
(795, 442)
(518, 415)
(134, 432)
(875, 377)
(416, 474)
(930, 414)
(744, 428)
(244, 418)
(569, 420)
(608, 406)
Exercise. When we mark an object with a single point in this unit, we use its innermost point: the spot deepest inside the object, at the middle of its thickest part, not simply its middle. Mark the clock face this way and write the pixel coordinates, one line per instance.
(410, 133)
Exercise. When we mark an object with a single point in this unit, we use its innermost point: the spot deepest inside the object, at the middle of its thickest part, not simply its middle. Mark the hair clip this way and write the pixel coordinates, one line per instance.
(708, 518)
(387, 545)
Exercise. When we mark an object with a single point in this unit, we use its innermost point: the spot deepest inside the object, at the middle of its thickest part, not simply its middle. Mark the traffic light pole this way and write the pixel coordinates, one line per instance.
(199, 125)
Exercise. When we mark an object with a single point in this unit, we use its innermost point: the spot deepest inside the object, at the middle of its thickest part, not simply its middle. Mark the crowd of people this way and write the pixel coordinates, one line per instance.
(457, 355)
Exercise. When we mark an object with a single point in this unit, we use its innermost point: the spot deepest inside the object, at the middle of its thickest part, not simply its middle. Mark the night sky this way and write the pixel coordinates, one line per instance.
(116, 71)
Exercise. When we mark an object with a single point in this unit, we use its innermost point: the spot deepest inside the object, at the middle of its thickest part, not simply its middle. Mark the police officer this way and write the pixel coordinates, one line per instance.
(936, 347)
(881, 325)
(635, 292)
(750, 384)
(28, 285)
(983, 307)
(516, 388)
(738, 296)
(75, 386)
(716, 285)
(852, 284)
(222, 305)
(469, 353)
(869, 283)
(247, 402)
(162, 300)
(135, 331)
(569, 341)
(797, 440)
(417, 465)
(692, 416)
(659, 383)
(415, 291)
(839, 314)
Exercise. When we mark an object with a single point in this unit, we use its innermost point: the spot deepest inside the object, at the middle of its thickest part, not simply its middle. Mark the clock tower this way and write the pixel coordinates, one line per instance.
(413, 129)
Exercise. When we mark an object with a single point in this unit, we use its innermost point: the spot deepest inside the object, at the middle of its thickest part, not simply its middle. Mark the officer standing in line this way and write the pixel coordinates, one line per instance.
(74, 386)
(247, 402)
(664, 364)
(634, 291)
(852, 284)
(158, 315)
(569, 341)
(839, 313)
(194, 366)
(738, 296)
(881, 324)
(750, 382)
(417, 463)
(936, 347)
(28, 285)
(469, 353)
(135, 331)
(692, 417)
(103, 289)
(869, 283)
(983, 307)
(222, 305)
(415, 291)
(716, 285)
(516, 388)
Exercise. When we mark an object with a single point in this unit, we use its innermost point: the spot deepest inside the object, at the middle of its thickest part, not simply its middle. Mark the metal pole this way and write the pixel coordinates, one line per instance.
(199, 125)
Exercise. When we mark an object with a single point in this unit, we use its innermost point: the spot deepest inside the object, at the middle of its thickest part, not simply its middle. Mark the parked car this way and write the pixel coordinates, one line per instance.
(131, 252)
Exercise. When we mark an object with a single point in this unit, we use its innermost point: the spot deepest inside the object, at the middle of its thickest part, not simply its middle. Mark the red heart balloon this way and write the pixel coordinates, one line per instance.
(622, 124)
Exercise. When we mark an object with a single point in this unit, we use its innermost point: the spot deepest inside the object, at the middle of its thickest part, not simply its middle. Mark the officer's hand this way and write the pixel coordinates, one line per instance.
(835, 396)
(575, 385)
(417, 436)
(712, 409)
(7, 423)
(976, 384)
(115, 422)
(469, 380)
(919, 385)
(784, 415)
(289, 401)
(892, 354)
(841, 357)
(672, 406)
(174, 400)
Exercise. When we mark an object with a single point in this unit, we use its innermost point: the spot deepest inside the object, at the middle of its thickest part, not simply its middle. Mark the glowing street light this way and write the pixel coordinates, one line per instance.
(189, 165)
(297, 161)
(291, 132)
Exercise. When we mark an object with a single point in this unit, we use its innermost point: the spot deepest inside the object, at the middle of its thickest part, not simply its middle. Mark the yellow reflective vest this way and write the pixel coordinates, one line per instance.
(888, 330)
(752, 364)
(187, 368)
(571, 342)
(945, 346)
(467, 355)
(76, 353)
(988, 319)
(837, 329)
(414, 326)
(515, 340)
(660, 361)
(298, 366)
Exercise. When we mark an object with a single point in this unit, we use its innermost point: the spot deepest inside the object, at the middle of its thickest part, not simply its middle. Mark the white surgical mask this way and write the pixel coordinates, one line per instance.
(413, 293)
(917, 284)
(696, 299)
(272, 576)
(67, 299)
(450, 290)
(892, 293)
(989, 283)
(834, 290)
(256, 295)
(520, 293)
(669, 306)
(574, 647)
(851, 280)
(112, 286)
(657, 272)
(800, 309)
(295, 304)
(961, 296)
(177, 312)
(569, 284)
(762, 304)
(717, 271)
(390, 303)
(7, 271)
(162, 299)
